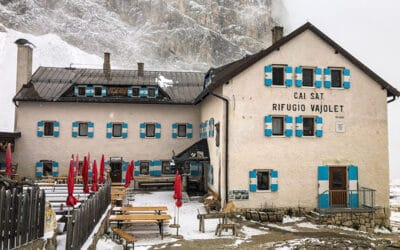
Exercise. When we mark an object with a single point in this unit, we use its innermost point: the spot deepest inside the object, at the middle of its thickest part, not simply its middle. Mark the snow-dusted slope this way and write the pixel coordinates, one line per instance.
(50, 50)
(164, 34)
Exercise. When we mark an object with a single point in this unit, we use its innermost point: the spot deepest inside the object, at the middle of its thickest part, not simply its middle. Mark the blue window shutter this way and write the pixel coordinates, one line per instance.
(124, 130)
(103, 91)
(109, 130)
(253, 181)
(288, 76)
(327, 78)
(346, 78)
(55, 169)
(124, 169)
(268, 125)
(56, 129)
(353, 186)
(155, 168)
(174, 130)
(288, 126)
(318, 78)
(40, 128)
(143, 92)
(299, 126)
(137, 168)
(76, 93)
(90, 129)
(151, 168)
(318, 131)
(299, 76)
(39, 169)
(268, 75)
(189, 130)
(142, 130)
(158, 130)
(156, 92)
(211, 128)
(130, 91)
(274, 180)
(89, 91)
(75, 129)
(323, 186)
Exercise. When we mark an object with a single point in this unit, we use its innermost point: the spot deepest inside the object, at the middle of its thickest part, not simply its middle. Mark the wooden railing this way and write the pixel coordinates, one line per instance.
(83, 220)
(363, 198)
(21, 216)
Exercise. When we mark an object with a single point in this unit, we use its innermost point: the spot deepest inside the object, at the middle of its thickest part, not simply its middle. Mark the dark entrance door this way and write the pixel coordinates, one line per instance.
(116, 170)
(338, 186)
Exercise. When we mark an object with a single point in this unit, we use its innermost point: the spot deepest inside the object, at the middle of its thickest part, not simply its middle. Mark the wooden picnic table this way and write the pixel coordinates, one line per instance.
(126, 218)
(156, 209)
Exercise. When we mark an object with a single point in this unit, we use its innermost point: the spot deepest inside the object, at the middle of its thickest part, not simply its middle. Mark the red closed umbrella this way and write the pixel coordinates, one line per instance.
(101, 179)
(178, 190)
(128, 176)
(95, 187)
(71, 200)
(8, 160)
(85, 177)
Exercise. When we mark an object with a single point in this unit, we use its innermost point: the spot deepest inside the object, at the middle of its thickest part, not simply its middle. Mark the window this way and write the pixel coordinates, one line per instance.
(263, 180)
(47, 168)
(336, 78)
(308, 126)
(48, 128)
(277, 126)
(150, 129)
(277, 76)
(135, 91)
(117, 130)
(308, 77)
(83, 129)
(151, 92)
(167, 168)
(217, 134)
(144, 168)
(81, 91)
(98, 91)
(181, 130)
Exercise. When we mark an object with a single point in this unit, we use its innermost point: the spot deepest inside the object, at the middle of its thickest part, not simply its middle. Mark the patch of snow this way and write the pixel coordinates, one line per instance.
(382, 230)
(61, 241)
(307, 225)
(177, 245)
(288, 219)
(108, 244)
(48, 235)
(164, 82)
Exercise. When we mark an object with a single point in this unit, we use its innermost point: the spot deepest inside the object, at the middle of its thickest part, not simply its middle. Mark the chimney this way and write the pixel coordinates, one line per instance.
(140, 67)
(107, 65)
(24, 62)
(277, 33)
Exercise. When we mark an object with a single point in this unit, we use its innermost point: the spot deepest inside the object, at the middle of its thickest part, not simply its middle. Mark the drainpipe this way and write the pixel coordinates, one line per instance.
(391, 100)
(226, 101)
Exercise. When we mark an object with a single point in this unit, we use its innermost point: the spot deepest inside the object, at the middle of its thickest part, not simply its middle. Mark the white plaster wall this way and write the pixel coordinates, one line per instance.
(32, 148)
(212, 107)
(365, 142)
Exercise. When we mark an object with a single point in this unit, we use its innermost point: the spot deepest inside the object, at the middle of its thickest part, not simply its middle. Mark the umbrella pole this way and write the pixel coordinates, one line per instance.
(177, 228)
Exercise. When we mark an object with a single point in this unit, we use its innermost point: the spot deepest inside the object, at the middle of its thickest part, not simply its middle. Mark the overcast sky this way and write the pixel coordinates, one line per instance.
(370, 31)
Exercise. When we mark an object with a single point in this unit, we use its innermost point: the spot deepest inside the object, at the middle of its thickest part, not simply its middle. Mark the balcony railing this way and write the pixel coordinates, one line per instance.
(363, 198)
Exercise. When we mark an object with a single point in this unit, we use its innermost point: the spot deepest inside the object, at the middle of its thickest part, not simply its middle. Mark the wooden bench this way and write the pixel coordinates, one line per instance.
(203, 217)
(154, 209)
(128, 238)
(156, 218)
(222, 226)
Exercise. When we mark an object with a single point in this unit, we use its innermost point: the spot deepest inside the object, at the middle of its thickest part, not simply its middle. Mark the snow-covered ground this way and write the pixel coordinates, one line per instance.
(395, 193)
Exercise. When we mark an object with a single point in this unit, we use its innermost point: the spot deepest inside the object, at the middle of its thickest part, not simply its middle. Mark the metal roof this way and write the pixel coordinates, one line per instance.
(51, 84)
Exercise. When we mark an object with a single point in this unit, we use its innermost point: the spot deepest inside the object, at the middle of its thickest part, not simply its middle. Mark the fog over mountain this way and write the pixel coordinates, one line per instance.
(164, 34)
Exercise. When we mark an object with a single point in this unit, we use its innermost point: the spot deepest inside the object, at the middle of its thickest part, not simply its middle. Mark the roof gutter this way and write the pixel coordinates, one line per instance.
(226, 101)
(392, 100)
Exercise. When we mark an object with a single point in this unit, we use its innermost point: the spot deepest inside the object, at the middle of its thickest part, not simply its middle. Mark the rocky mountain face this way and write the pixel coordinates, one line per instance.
(164, 34)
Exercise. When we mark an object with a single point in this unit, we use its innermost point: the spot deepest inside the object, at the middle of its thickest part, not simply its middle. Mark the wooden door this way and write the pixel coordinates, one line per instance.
(338, 186)
(116, 171)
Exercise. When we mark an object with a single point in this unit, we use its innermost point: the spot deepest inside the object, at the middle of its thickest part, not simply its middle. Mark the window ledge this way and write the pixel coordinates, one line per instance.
(263, 191)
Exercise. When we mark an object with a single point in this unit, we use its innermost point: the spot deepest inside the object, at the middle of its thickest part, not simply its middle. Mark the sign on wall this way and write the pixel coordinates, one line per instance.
(238, 194)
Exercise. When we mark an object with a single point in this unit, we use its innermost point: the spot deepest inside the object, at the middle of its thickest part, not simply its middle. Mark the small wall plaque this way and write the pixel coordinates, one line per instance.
(238, 194)
(340, 128)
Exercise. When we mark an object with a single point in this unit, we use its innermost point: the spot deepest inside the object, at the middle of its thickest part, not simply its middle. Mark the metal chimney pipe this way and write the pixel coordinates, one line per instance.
(107, 65)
